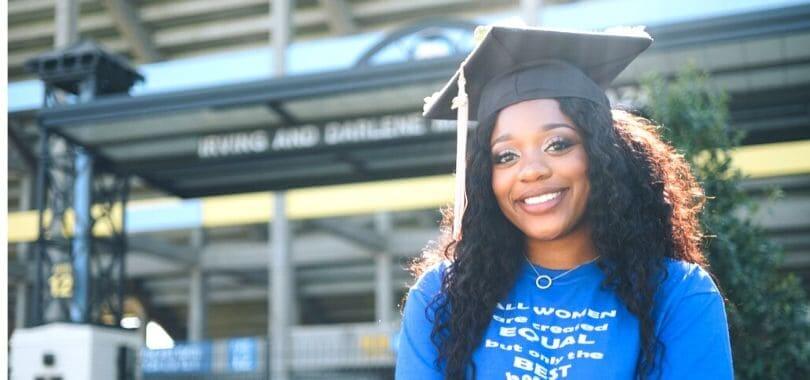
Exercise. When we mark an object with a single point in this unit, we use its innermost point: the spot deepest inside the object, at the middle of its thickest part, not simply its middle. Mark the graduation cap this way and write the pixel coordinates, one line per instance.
(510, 65)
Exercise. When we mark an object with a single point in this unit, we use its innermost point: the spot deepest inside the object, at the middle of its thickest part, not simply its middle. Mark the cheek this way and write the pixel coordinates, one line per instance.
(577, 172)
(500, 187)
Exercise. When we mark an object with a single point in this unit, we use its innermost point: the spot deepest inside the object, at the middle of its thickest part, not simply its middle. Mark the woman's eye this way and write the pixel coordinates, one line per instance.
(505, 157)
(558, 145)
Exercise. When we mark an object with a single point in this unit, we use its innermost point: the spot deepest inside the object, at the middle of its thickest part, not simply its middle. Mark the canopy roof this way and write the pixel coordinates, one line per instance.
(346, 126)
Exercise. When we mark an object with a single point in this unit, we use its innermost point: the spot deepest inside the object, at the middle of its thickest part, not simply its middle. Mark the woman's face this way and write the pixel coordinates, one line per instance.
(539, 169)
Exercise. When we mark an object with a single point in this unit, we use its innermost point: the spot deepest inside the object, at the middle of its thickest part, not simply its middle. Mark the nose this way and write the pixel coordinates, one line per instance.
(534, 170)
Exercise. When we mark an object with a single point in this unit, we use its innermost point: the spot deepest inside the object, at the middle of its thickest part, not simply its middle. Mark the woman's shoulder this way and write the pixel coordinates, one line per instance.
(687, 278)
(690, 321)
(430, 281)
(685, 284)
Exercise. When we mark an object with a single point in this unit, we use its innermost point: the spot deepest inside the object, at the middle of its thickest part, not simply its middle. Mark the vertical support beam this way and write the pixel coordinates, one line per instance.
(40, 199)
(292, 292)
(21, 303)
(121, 251)
(530, 10)
(82, 248)
(280, 33)
(67, 22)
(280, 290)
(197, 306)
(280, 269)
(87, 90)
(129, 24)
(384, 287)
(339, 16)
(21, 299)
(82, 237)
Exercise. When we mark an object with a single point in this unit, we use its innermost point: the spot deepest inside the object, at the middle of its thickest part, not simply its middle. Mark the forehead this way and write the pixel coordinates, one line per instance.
(529, 115)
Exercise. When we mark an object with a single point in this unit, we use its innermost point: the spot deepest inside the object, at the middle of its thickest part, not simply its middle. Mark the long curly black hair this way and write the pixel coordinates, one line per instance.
(643, 207)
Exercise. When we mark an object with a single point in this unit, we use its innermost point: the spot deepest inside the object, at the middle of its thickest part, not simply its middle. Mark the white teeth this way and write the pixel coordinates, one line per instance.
(542, 198)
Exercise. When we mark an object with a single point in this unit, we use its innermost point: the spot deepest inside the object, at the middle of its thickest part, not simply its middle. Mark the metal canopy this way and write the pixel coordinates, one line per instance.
(346, 126)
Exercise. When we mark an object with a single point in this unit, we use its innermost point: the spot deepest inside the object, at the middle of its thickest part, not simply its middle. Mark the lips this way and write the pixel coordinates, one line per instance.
(541, 198)
(539, 202)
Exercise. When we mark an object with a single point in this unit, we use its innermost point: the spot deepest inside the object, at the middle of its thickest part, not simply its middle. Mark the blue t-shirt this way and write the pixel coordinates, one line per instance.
(577, 330)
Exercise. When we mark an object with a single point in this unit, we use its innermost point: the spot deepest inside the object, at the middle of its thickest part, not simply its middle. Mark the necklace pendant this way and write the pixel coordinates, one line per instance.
(543, 282)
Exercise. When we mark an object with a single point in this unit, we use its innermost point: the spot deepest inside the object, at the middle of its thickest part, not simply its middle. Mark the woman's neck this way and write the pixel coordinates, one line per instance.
(566, 252)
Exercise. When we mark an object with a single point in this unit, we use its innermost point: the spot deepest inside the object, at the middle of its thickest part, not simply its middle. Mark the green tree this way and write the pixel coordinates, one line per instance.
(767, 309)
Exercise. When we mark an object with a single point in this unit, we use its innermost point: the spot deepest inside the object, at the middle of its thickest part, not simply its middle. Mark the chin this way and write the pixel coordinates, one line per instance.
(543, 234)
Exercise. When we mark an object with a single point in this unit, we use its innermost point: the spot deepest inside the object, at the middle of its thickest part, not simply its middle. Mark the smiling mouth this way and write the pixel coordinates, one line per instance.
(531, 201)
(542, 203)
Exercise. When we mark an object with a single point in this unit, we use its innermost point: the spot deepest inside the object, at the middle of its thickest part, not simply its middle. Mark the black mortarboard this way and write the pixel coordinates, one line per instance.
(510, 65)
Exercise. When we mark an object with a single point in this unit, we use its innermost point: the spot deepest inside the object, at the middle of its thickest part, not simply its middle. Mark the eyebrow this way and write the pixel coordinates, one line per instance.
(545, 127)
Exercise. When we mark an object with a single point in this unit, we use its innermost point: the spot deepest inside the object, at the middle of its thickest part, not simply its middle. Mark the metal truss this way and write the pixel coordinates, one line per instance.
(65, 289)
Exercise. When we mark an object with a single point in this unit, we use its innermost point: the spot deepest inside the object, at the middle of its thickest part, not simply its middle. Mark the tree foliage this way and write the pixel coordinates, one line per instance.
(767, 308)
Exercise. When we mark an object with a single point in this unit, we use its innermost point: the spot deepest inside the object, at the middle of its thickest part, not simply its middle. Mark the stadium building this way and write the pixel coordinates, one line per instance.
(241, 184)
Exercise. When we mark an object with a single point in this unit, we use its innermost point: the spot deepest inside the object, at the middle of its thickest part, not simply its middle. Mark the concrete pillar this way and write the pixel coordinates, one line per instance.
(280, 290)
(530, 11)
(21, 289)
(280, 33)
(21, 305)
(280, 270)
(197, 305)
(66, 22)
(384, 287)
(197, 316)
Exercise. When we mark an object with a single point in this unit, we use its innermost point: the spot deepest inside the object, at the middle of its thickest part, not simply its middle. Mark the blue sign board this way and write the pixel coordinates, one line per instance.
(183, 358)
(243, 354)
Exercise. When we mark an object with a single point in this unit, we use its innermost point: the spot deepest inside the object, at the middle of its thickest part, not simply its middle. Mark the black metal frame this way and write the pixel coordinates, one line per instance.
(101, 298)
(53, 197)
(108, 260)
(54, 245)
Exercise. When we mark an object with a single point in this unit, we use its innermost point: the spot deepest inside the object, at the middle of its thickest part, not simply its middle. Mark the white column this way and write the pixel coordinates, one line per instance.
(280, 33)
(280, 270)
(384, 287)
(280, 289)
(530, 10)
(198, 291)
(66, 22)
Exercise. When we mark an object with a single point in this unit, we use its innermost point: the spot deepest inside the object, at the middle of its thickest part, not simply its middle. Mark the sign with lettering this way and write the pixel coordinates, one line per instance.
(335, 133)
(183, 358)
(243, 354)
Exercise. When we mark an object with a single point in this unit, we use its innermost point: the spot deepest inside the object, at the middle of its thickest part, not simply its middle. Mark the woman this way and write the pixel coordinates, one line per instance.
(578, 253)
